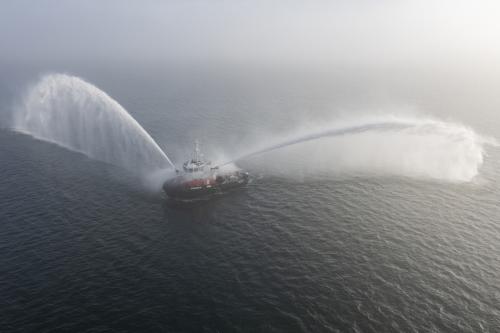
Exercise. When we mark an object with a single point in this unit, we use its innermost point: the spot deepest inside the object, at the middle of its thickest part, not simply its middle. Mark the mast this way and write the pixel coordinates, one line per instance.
(197, 154)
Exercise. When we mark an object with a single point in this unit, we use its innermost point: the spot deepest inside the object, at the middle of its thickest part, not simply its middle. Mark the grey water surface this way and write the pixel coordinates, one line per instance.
(85, 246)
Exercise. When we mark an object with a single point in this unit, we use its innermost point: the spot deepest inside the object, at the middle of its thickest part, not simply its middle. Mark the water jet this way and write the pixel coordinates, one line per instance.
(70, 112)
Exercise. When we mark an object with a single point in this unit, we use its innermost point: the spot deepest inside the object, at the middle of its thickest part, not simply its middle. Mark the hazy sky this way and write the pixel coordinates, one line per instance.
(316, 33)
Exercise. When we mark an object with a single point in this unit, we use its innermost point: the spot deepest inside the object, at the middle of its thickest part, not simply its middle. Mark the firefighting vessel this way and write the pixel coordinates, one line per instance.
(198, 178)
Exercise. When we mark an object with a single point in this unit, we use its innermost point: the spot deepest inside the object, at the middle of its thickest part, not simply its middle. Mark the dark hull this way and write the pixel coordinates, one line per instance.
(181, 189)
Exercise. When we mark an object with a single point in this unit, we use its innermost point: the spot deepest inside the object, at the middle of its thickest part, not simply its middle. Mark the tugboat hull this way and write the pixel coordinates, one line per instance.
(184, 187)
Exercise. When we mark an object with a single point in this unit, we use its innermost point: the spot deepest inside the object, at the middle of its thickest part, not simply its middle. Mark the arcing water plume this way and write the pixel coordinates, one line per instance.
(387, 144)
(72, 113)
(321, 134)
(77, 115)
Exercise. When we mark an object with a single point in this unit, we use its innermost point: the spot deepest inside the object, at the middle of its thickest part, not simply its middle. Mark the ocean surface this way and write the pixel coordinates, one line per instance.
(372, 238)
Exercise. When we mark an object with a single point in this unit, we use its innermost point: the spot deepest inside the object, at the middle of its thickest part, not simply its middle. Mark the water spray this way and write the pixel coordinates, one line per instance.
(327, 133)
(77, 115)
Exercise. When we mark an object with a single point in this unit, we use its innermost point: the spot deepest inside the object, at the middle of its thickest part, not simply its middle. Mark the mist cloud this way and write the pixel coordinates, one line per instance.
(317, 33)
